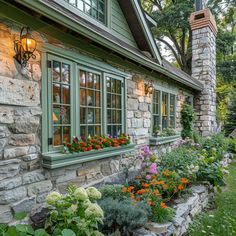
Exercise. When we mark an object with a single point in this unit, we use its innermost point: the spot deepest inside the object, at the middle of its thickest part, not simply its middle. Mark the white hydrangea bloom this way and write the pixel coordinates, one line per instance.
(94, 210)
(81, 194)
(93, 193)
(53, 197)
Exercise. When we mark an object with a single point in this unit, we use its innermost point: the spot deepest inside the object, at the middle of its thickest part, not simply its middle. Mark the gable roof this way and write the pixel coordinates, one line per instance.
(58, 16)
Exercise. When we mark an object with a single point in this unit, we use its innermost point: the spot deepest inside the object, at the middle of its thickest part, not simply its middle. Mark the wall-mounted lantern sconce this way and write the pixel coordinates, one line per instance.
(149, 87)
(25, 47)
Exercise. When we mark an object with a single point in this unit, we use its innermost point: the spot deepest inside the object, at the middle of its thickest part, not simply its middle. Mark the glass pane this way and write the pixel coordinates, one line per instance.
(114, 131)
(91, 130)
(172, 122)
(90, 98)
(109, 116)
(65, 75)
(108, 84)
(119, 130)
(90, 80)
(82, 78)
(83, 97)
(97, 82)
(72, 2)
(66, 134)
(118, 117)
(98, 103)
(56, 93)
(82, 115)
(118, 86)
(65, 115)
(88, 1)
(164, 122)
(95, 4)
(118, 101)
(97, 130)
(82, 131)
(94, 13)
(109, 130)
(109, 100)
(80, 5)
(156, 122)
(113, 117)
(113, 86)
(56, 73)
(65, 94)
(57, 136)
(88, 9)
(56, 115)
(101, 17)
(97, 116)
(90, 116)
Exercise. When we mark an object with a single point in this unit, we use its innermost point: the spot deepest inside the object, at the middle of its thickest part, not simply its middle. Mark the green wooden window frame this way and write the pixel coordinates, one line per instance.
(163, 110)
(75, 103)
(97, 9)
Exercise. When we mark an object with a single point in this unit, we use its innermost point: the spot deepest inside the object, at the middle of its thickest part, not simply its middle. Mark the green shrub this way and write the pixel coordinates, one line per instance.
(211, 172)
(232, 145)
(114, 191)
(182, 160)
(187, 119)
(123, 216)
(162, 215)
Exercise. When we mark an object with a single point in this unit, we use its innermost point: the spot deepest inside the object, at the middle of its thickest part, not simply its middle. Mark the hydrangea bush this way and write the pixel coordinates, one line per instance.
(76, 211)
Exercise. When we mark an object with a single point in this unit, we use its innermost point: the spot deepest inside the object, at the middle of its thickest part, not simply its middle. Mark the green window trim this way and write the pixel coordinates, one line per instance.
(58, 160)
(75, 65)
(155, 141)
(79, 7)
(166, 115)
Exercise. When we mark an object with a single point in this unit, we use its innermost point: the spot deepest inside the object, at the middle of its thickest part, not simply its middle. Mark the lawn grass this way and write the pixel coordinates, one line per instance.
(222, 220)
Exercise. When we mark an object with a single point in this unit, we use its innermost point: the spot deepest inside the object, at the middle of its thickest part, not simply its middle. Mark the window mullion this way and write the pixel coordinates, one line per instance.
(168, 110)
(160, 110)
(76, 101)
(104, 104)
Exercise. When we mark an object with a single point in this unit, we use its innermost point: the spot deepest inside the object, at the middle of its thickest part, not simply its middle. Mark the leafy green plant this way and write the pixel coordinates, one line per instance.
(232, 145)
(123, 216)
(187, 119)
(114, 191)
(162, 214)
(75, 213)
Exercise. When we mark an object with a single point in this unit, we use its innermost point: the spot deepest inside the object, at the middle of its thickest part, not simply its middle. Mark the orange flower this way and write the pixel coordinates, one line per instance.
(124, 190)
(180, 187)
(132, 196)
(138, 199)
(165, 186)
(184, 181)
(145, 185)
(137, 177)
(156, 192)
(163, 205)
(166, 172)
(130, 188)
(141, 191)
(159, 182)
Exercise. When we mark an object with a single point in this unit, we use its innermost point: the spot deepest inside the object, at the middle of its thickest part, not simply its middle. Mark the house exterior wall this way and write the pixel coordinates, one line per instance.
(24, 184)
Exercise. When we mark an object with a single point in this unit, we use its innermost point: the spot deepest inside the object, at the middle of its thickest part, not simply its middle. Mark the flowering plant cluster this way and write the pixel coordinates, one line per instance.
(77, 211)
(97, 142)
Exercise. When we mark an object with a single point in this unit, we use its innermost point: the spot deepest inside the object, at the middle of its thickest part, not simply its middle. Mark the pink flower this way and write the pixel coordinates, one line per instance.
(148, 177)
(153, 168)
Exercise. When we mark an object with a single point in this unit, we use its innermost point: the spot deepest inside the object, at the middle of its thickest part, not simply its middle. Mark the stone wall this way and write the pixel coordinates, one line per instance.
(23, 182)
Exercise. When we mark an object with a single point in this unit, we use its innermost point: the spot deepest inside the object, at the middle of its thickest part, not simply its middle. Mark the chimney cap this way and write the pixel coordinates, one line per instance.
(201, 19)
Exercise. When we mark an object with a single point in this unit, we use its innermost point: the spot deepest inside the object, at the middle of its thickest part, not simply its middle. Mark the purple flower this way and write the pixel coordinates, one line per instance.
(146, 150)
(148, 177)
(153, 168)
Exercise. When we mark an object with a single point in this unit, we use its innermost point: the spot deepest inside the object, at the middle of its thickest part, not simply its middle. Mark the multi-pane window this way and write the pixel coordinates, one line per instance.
(163, 110)
(83, 103)
(114, 106)
(90, 103)
(93, 8)
(61, 102)
(156, 110)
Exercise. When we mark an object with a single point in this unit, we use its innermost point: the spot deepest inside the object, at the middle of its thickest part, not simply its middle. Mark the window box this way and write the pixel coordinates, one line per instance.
(57, 160)
(155, 141)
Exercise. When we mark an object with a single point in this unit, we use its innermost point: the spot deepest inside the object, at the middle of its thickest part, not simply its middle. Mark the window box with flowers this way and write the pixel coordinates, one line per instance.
(84, 150)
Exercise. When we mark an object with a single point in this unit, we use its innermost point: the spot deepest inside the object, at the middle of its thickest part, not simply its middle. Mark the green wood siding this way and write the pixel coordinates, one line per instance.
(119, 25)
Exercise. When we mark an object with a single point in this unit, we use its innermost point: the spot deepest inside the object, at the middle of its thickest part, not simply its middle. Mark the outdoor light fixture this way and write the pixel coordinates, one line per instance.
(25, 47)
(149, 87)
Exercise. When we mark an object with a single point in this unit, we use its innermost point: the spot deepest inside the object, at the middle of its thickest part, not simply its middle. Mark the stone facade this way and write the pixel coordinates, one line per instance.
(204, 68)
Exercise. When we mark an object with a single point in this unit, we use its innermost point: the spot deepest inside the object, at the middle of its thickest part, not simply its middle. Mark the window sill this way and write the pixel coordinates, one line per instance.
(57, 160)
(155, 141)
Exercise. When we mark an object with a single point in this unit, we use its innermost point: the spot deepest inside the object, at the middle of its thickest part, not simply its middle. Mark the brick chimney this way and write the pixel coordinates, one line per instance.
(204, 32)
